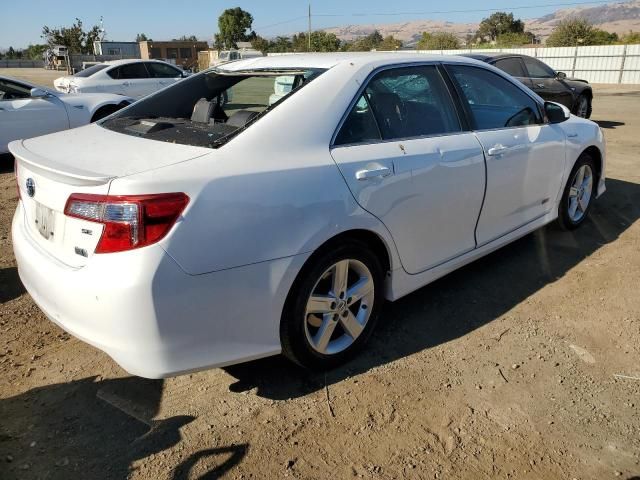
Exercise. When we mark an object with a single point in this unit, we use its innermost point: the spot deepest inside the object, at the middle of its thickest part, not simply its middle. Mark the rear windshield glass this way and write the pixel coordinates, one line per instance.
(210, 108)
(87, 72)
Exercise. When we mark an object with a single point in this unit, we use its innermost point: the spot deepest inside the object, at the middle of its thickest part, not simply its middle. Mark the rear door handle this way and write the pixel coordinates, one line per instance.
(497, 150)
(540, 85)
(126, 84)
(373, 173)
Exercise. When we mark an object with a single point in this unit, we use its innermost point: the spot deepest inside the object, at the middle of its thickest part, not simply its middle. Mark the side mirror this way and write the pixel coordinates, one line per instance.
(561, 75)
(39, 93)
(556, 113)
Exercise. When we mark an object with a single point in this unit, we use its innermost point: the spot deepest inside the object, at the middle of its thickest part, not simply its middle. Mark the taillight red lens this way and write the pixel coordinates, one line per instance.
(130, 221)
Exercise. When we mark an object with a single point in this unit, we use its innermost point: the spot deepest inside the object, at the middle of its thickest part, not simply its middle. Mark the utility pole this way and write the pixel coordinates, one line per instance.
(309, 34)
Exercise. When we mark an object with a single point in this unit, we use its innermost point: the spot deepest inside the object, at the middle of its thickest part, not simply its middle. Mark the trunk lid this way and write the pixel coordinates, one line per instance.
(50, 168)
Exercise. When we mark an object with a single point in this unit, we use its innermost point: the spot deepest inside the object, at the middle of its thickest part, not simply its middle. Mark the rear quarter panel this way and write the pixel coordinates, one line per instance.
(271, 192)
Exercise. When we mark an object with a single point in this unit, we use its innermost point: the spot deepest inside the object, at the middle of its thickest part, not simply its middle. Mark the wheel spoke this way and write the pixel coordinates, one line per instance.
(340, 277)
(584, 203)
(580, 176)
(320, 304)
(360, 289)
(573, 207)
(351, 325)
(322, 338)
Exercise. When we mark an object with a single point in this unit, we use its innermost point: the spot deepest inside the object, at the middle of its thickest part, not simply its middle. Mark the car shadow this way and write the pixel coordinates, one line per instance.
(6, 163)
(95, 429)
(609, 124)
(462, 301)
(10, 284)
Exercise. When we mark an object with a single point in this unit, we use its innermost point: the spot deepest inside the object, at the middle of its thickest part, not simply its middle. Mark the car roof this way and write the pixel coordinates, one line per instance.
(134, 60)
(329, 60)
(485, 57)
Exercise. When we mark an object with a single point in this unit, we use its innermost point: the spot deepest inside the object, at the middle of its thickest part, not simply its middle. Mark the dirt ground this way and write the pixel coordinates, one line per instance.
(525, 364)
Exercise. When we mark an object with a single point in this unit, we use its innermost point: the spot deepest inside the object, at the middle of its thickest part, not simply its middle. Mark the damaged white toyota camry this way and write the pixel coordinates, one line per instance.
(208, 225)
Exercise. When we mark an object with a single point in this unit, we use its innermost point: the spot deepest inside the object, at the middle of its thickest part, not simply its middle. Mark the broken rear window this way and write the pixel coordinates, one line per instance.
(209, 109)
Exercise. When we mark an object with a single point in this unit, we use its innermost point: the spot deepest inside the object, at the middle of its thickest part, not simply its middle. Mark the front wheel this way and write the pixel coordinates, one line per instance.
(583, 106)
(333, 307)
(578, 194)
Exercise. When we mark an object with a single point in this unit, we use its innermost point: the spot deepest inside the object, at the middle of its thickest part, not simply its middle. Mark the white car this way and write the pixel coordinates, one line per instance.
(178, 234)
(133, 78)
(27, 110)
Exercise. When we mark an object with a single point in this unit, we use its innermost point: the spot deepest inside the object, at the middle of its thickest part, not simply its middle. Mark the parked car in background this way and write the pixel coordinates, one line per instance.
(576, 95)
(180, 234)
(27, 110)
(133, 78)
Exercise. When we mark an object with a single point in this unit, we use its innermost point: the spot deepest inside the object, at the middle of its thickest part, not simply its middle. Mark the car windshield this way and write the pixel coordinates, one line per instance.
(87, 72)
(210, 108)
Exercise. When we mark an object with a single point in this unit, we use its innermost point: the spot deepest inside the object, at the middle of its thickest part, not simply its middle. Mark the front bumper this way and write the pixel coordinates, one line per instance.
(152, 318)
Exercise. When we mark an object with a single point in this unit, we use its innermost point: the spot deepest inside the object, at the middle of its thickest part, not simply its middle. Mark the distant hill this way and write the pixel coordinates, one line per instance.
(616, 17)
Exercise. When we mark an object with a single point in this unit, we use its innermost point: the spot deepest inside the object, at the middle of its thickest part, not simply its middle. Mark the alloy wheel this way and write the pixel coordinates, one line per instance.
(339, 307)
(580, 193)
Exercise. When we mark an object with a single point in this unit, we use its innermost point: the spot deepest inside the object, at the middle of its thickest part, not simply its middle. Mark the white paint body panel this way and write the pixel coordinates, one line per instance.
(212, 291)
(102, 82)
(33, 117)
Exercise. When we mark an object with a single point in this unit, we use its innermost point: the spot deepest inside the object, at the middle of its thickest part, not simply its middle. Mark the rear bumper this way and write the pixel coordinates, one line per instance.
(152, 318)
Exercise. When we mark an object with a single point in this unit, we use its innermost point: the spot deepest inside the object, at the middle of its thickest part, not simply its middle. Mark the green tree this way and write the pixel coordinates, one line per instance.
(365, 44)
(142, 37)
(75, 38)
(390, 43)
(34, 52)
(497, 24)
(261, 44)
(184, 38)
(438, 41)
(571, 33)
(631, 38)
(507, 40)
(602, 37)
(321, 41)
(233, 25)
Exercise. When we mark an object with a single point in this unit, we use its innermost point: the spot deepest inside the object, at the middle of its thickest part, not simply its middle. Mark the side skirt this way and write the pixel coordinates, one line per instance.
(402, 283)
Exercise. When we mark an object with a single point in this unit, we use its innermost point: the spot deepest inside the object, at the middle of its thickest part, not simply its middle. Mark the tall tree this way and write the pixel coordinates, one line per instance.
(497, 24)
(390, 43)
(366, 44)
(233, 25)
(75, 38)
(572, 32)
(321, 41)
(142, 37)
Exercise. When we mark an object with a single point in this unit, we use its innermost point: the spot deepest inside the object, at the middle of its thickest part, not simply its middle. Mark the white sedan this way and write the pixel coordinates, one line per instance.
(182, 233)
(27, 110)
(133, 78)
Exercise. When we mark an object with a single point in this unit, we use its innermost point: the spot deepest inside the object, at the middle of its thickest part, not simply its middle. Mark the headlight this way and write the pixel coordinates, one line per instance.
(72, 88)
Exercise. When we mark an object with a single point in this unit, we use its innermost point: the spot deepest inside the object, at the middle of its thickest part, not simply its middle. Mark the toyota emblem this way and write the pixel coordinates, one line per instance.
(31, 187)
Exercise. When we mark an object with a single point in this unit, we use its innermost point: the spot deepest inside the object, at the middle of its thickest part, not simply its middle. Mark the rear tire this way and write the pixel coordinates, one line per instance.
(333, 306)
(578, 194)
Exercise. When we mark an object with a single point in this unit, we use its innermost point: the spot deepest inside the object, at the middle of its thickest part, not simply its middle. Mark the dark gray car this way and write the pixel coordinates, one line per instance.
(553, 86)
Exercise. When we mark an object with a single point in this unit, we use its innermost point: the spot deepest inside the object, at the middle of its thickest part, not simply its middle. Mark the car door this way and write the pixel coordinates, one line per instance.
(514, 66)
(22, 116)
(546, 84)
(133, 80)
(408, 160)
(163, 74)
(525, 156)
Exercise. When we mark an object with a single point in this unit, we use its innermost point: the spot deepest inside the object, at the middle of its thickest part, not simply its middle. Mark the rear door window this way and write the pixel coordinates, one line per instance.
(493, 101)
(159, 70)
(513, 66)
(405, 102)
(537, 69)
(130, 71)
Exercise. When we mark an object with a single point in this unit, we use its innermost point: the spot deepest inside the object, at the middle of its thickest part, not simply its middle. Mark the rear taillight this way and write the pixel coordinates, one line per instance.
(129, 221)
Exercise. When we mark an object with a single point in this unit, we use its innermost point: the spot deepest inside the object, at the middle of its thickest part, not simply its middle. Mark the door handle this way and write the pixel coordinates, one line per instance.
(497, 150)
(373, 173)
(572, 135)
(540, 85)
(126, 84)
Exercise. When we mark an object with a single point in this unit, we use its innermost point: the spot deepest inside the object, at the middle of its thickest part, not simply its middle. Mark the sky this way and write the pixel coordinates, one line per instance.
(21, 21)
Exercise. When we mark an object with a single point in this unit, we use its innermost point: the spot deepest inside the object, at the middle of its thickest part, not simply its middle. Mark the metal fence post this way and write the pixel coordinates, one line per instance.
(575, 61)
(622, 65)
